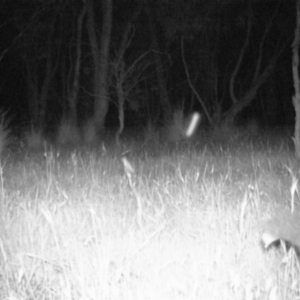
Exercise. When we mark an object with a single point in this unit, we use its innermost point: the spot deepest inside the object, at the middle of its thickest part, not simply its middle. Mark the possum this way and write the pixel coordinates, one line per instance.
(285, 226)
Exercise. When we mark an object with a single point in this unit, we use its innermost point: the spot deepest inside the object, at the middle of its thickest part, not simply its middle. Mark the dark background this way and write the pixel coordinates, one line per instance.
(40, 35)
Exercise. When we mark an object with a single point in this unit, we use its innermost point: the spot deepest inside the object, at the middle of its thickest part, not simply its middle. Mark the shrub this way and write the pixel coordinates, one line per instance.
(89, 133)
(68, 134)
(34, 139)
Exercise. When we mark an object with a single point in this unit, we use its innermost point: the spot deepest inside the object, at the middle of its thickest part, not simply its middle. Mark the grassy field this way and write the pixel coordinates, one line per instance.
(185, 225)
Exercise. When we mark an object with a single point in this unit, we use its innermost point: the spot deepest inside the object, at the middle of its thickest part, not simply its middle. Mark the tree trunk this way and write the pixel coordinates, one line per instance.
(296, 97)
(193, 88)
(121, 100)
(100, 56)
(45, 91)
(75, 84)
(249, 96)
(32, 91)
(120, 79)
(161, 80)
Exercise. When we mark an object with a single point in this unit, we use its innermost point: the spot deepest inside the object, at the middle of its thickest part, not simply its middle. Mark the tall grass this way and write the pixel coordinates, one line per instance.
(185, 226)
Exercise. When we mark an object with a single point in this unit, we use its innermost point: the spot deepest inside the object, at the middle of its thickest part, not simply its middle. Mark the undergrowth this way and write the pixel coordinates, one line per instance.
(185, 223)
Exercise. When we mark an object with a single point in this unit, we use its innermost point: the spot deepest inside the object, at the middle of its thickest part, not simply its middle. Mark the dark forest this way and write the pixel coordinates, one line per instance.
(135, 62)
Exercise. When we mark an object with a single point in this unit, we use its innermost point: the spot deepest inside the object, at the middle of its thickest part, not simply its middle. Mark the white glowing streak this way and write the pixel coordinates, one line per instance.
(193, 124)
(127, 165)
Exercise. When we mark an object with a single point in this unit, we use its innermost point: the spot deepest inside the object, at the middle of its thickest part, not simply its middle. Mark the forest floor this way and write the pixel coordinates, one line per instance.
(186, 224)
